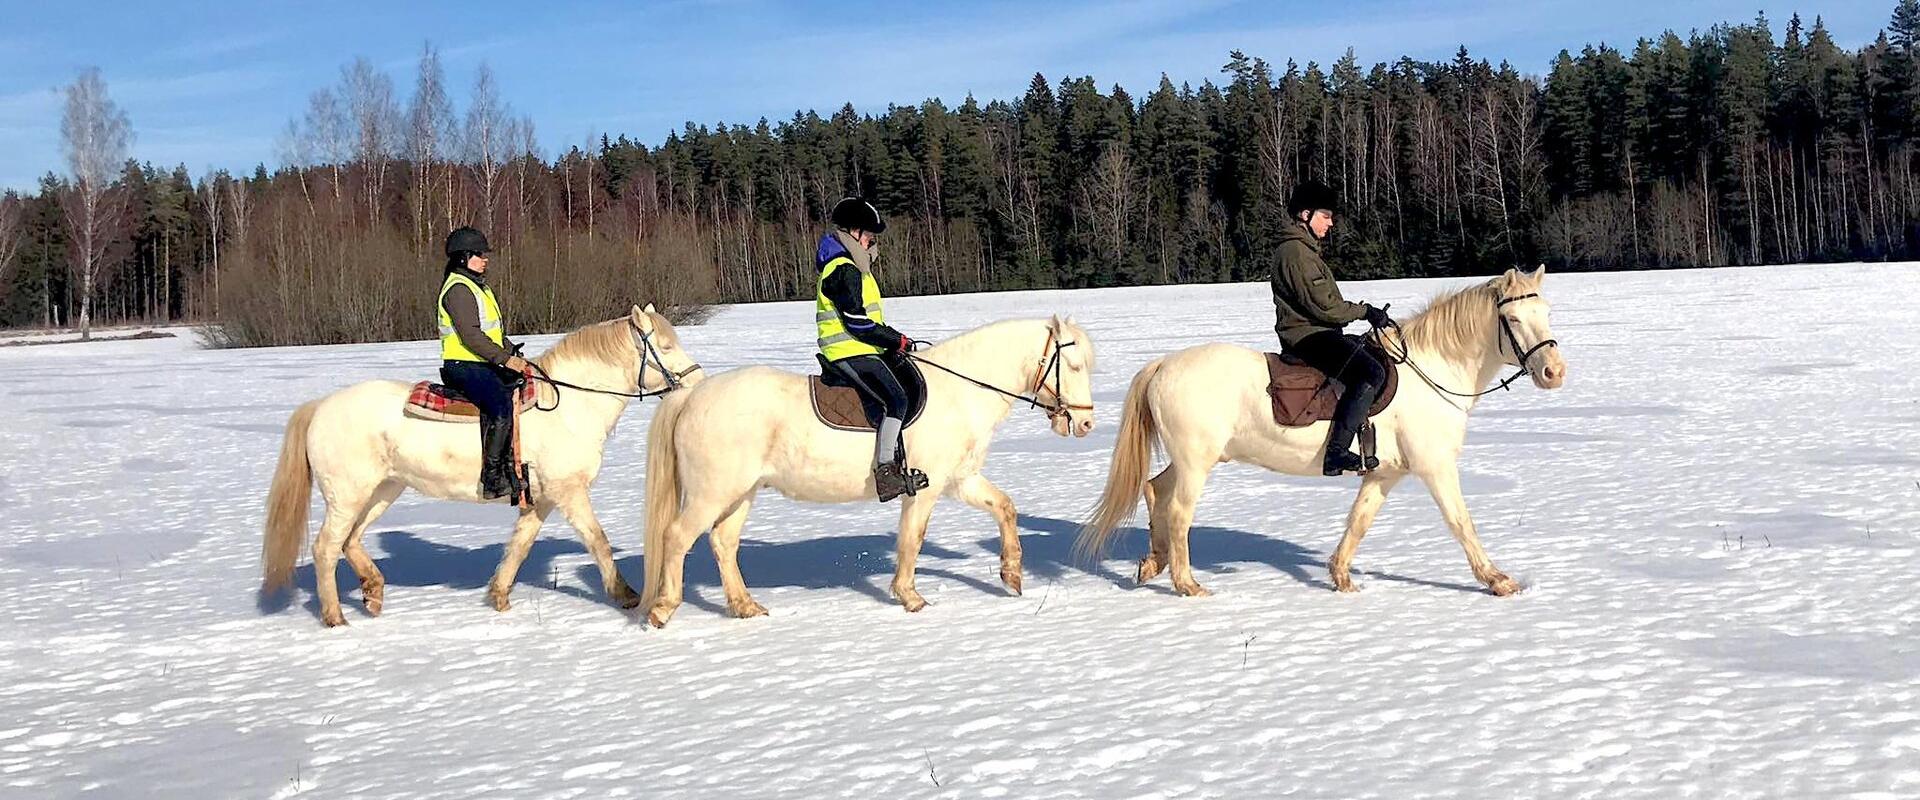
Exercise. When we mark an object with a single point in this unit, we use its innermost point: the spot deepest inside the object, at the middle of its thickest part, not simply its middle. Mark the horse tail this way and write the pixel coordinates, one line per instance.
(663, 494)
(1127, 475)
(287, 503)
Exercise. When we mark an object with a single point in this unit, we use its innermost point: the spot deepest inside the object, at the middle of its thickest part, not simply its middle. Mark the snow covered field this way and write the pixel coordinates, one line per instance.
(1718, 520)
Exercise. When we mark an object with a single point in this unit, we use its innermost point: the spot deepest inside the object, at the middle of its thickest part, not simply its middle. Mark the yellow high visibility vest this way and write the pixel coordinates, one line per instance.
(835, 342)
(451, 348)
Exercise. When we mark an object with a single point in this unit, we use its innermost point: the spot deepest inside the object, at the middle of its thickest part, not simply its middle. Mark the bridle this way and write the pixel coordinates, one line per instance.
(1052, 364)
(1048, 363)
(1526, 356)
(1509, 339)
(649, 357)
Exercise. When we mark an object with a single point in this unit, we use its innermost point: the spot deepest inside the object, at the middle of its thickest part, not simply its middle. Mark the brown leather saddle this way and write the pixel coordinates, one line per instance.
(839, 405)
(1303, 395)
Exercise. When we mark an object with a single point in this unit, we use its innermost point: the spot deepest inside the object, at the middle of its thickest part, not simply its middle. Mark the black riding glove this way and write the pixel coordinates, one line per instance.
(1377, 317)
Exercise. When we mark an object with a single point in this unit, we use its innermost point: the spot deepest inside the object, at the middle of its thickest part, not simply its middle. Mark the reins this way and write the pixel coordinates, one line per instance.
(643, 342)
(1047, 363)
(1506, 328)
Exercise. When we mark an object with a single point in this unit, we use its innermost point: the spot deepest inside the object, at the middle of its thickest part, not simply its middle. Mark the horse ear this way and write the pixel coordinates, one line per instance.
(1509, 280)
(643, 318)
(649, 309)
(1054, 323)
(1539, 274)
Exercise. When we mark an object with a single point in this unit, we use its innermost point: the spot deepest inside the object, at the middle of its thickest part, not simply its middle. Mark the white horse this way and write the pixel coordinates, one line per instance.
(364, 451)
(1208, 404)
(710, 449)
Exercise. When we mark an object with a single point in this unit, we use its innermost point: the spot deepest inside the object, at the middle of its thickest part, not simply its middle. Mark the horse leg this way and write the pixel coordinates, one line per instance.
(694, 518)
(1156, 559)
(1444, 483)
(726, 554)
(1373, 491)
(1175, 512)
(914, 513)
(373, 585)
(525, 530)
(579, 513)
(980, 493)
(326, 557)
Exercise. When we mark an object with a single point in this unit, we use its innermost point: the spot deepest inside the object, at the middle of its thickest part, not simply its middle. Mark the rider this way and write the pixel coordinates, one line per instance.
(479, 361)
(854, 336)
(1312, 316)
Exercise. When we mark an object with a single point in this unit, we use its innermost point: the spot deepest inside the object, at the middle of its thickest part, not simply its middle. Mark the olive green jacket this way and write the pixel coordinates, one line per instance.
(1306, 300)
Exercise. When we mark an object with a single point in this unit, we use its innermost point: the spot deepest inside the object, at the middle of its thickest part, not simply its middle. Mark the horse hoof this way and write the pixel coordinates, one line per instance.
(630, 602)
(746, 610)
(912, 603)
(499, 601)
(1503, 586)
(373, 607)
(1193, 590)
(332, 619)
(1012, 580)
(1149, 569)
(658, 617)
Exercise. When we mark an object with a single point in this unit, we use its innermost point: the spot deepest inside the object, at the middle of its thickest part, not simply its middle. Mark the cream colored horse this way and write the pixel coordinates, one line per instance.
(710, 449)
(364, 451)
(1208, 404)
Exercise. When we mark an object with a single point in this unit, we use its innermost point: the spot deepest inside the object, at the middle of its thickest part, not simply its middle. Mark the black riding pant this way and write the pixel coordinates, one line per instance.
(875, 379)
(872, 375)
(1345, 358)
(486, 386)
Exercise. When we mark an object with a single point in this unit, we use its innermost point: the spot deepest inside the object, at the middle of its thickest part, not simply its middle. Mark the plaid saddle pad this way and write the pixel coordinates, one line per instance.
(432, 401)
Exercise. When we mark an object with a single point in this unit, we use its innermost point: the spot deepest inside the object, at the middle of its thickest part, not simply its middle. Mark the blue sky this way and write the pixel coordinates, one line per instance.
(212, 84)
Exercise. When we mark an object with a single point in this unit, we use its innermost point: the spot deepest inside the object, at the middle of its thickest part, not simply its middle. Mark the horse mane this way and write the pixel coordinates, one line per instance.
(968, 341)
(1456, 324)
(606, 342)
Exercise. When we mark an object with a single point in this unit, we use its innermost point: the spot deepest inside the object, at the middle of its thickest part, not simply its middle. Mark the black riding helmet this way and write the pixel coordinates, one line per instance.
(466, 240)
(1312, 196)
(855, 214)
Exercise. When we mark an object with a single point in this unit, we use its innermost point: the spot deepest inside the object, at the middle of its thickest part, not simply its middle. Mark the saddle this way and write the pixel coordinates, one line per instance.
(437, 403)
(839, 405)
(1303, 395)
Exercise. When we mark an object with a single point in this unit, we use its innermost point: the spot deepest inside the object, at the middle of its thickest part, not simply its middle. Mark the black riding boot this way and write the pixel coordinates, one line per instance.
(1347, 420)
(497, 478)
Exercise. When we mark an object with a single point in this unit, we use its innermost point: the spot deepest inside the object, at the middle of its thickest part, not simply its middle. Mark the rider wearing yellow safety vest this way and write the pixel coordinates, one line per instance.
(478, 360)
(855, 340)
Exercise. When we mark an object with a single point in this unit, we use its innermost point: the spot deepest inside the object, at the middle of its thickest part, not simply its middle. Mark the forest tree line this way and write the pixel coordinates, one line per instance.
(1729, 146)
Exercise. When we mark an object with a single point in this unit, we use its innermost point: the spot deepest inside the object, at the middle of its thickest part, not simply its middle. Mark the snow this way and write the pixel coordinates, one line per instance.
(1716, 521)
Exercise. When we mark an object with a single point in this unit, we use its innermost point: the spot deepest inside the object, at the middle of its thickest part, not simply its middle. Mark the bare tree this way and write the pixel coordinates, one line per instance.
(11, 208)
(239, 205)
(210, 189)
(488, 139)
(1111, 192)
(321, 139)
(95, 134)
(429, 134)
(374, 117)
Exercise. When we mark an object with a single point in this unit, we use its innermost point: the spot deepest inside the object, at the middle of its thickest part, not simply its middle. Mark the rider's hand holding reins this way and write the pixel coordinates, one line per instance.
(1377, 316)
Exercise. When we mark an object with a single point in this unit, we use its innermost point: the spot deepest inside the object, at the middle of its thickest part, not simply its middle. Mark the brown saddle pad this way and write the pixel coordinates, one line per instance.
(432, 401)
(841, 407)
(1303, 395)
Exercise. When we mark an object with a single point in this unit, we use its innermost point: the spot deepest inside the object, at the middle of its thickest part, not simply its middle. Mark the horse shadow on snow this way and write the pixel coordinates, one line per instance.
(863, 563)
(1216, 550)
(414, 561)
